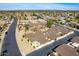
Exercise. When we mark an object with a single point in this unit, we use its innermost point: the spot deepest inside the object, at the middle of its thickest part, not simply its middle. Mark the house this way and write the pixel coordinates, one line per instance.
(75, 39)
(72, 24)
(65, 50)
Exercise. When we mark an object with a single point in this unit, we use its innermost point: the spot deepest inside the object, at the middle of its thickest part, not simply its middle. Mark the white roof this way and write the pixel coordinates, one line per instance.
(75, 44)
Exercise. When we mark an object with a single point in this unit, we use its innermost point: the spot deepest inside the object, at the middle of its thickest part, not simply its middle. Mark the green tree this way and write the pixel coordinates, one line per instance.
(0, 17)
(26, 27)
(50, 22)
(77, 19)
(77, 26)
(67, 19)
(11, 17)
(0, 28)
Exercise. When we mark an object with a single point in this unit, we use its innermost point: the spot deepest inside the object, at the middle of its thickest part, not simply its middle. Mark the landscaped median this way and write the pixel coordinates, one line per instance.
(23, 44)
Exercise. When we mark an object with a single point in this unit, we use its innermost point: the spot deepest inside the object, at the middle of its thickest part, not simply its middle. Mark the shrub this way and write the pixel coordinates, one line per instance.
(50, 22)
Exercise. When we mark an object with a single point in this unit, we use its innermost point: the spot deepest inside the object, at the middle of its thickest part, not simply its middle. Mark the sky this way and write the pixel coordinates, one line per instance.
(39, 6)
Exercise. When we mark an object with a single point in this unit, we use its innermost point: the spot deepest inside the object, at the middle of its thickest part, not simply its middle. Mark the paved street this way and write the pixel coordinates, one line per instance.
(10, 47)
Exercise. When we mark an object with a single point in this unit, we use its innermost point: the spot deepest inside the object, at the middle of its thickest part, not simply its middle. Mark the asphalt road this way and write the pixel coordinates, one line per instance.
(10, 47)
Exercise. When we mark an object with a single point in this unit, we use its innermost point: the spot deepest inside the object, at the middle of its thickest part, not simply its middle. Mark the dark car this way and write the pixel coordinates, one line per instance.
(4, 53)
(6, 32)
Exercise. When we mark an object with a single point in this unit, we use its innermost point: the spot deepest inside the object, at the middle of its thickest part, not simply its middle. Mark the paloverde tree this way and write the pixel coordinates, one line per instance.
(50, 22)
(26, 27)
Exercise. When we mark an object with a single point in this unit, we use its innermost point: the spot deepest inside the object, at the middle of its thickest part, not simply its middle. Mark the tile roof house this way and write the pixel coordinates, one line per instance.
(65, 50)
(75, 39)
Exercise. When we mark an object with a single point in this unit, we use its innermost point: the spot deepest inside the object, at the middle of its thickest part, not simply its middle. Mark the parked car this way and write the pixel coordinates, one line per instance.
(6, 32)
